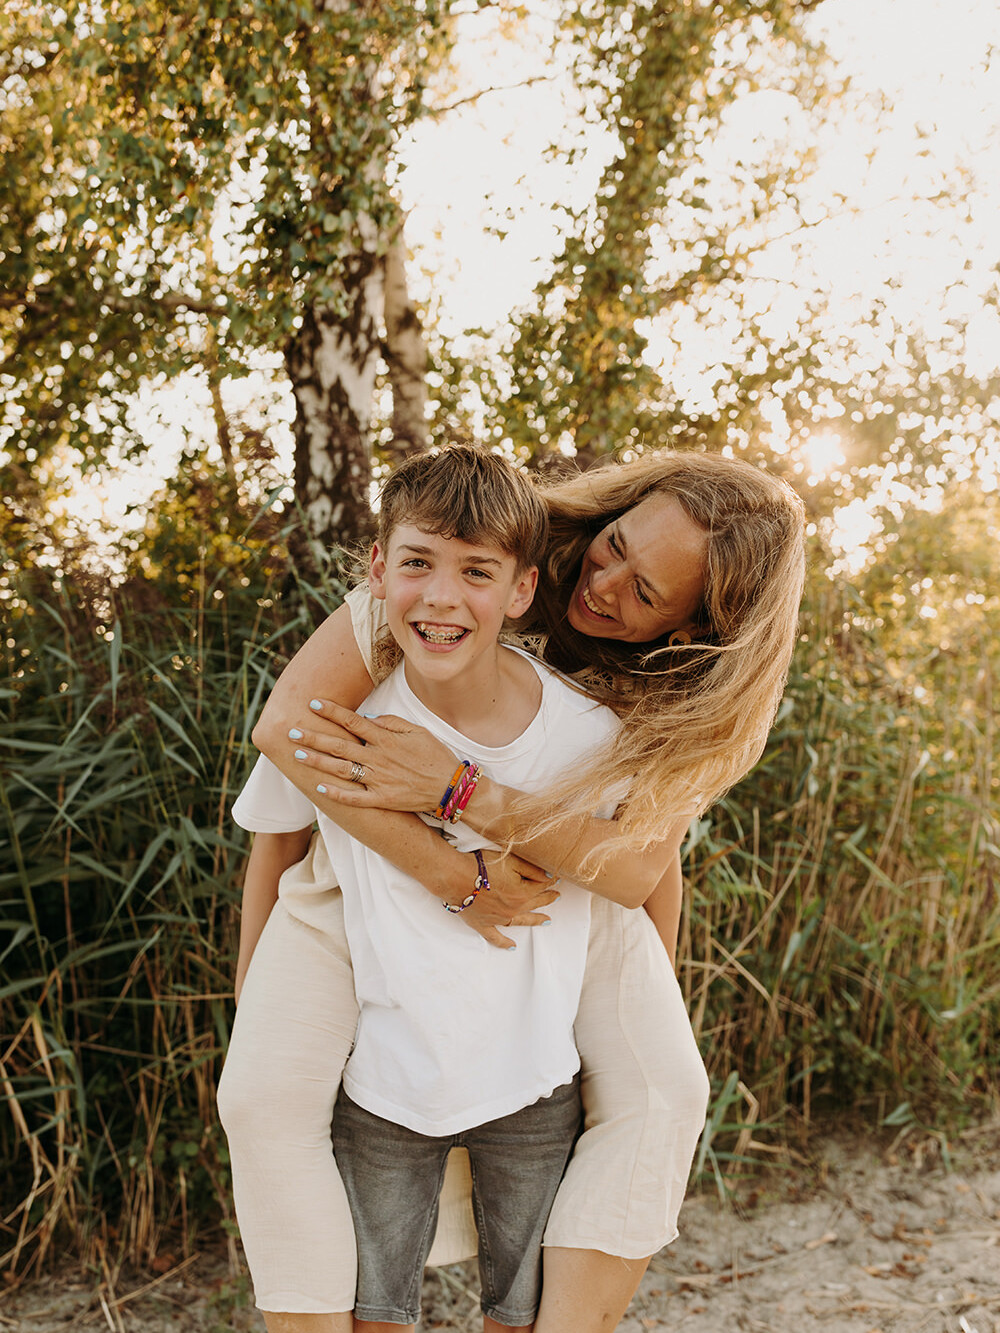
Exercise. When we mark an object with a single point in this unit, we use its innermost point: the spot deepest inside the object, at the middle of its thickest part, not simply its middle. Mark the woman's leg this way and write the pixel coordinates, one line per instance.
(645, 1093)
(293, 1032)
(586, 1291)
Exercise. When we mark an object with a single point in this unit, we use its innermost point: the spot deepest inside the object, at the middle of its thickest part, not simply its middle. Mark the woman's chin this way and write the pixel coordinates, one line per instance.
(576, 621)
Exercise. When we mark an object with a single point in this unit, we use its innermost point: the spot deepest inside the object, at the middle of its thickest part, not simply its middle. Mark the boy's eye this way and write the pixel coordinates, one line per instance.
(478, 573)
(415, 563)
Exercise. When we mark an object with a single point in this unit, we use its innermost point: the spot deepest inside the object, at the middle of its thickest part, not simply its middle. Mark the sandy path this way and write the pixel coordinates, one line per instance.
(858, 1241)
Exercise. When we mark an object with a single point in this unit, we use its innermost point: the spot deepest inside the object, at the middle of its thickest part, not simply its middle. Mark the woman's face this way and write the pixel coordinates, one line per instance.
(642, 576)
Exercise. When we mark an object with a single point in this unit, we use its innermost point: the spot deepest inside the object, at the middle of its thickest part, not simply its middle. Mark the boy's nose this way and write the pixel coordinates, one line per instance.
(441, 591)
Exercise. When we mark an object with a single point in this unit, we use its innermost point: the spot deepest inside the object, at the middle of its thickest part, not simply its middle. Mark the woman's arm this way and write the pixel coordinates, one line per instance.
(407, 769)
(331, 661)
(270, 856)
(626, 876)
(663, 906)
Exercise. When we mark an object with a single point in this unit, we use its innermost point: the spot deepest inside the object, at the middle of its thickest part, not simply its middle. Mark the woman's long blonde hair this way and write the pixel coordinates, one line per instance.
(695, 717)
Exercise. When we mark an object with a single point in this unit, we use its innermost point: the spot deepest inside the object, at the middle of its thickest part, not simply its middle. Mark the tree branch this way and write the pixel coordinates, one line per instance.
(434, 112)
(120, 305)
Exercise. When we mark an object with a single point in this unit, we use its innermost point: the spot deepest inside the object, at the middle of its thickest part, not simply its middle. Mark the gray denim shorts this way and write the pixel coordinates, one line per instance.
(393, 1178)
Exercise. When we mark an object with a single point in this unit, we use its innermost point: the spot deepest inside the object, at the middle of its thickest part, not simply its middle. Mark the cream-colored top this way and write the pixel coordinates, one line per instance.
(369, 620)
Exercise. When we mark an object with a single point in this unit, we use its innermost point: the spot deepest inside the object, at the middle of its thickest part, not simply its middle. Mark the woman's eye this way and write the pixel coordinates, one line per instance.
(613, 543)
(642, 596)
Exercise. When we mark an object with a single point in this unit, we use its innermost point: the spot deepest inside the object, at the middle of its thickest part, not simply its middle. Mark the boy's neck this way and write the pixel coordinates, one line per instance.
(494, 708)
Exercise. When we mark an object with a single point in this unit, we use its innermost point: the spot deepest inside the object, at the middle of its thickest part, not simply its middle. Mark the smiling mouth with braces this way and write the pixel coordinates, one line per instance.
(433, 634)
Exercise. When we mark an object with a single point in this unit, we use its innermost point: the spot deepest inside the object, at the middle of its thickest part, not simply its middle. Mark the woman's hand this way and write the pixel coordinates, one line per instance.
(405, 767)
(517, 889)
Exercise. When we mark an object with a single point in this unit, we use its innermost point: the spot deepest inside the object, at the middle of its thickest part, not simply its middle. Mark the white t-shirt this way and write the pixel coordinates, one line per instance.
(453, 1032)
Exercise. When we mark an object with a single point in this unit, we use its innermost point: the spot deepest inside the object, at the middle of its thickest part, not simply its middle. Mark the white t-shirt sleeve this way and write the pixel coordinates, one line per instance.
(368, 618)
(269, 803)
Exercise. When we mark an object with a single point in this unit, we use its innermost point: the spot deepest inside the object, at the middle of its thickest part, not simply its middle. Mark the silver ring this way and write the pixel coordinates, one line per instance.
(357, 773)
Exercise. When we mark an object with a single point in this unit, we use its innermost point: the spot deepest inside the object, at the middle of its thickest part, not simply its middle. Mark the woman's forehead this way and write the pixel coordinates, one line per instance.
(659, 516)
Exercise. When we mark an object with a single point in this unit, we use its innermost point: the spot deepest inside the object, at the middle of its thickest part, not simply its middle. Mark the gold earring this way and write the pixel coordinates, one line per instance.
(679, 639)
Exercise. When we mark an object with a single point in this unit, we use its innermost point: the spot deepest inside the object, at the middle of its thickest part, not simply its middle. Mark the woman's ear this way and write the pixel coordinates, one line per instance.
(376, 572)
(522, 593)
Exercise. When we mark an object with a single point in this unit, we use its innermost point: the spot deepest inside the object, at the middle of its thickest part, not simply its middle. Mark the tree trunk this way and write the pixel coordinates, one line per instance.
(332, 362)
(406, 356)
(223, 433)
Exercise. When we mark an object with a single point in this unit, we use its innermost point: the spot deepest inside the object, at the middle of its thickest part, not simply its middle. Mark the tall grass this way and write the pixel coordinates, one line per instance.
(842, 939)
(123, 738)
(838, 943)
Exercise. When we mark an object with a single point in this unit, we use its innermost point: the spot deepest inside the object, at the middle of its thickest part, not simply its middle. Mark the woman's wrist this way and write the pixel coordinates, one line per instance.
(480, 884)
(486, 810)
(452, 882)
(460, 880)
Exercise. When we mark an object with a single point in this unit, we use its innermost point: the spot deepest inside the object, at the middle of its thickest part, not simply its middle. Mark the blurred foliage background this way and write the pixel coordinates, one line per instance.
(205, 199)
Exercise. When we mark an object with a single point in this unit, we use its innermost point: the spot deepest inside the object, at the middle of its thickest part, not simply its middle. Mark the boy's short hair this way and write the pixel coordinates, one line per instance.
(470, 494)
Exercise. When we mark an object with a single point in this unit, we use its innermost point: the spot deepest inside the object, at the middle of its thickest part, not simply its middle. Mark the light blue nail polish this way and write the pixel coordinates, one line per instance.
(321, 789)
(315, 705)
(371, 716)
(295, 734)
(301, 754)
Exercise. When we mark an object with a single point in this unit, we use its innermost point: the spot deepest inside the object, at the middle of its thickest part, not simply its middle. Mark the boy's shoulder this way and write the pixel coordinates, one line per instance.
(563, 692)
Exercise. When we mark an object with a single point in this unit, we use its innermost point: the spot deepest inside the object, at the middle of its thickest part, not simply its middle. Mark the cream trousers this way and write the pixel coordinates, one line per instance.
(645, 1093)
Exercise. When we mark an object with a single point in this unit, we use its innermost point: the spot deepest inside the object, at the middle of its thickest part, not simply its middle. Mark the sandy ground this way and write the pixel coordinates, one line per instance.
(858, 1239)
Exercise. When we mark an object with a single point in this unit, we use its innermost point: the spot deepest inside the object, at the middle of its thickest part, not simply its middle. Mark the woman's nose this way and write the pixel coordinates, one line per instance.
(609, 577)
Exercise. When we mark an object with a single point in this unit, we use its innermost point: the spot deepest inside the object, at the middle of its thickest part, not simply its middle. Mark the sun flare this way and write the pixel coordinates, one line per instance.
(822, 454)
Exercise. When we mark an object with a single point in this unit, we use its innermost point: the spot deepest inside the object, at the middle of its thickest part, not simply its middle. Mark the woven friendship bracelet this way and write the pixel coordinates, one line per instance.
(482, 885)
(461, 795)
(463, 766)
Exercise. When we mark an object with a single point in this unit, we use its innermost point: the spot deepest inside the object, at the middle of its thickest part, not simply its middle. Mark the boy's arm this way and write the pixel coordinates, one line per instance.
(663, 906)
(330, 658)
(270, 856)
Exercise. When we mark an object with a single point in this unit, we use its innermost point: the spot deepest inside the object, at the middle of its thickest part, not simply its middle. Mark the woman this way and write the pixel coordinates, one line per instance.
(671, 592)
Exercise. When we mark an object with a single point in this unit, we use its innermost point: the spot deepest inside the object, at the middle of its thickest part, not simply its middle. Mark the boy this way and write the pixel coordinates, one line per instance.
(460, 535)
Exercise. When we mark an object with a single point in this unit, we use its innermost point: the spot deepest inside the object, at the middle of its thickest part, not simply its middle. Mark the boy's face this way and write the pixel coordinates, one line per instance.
(446, 600)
